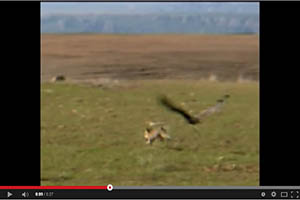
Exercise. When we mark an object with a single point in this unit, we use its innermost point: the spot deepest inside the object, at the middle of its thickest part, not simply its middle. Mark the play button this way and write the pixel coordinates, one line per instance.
(9, 194)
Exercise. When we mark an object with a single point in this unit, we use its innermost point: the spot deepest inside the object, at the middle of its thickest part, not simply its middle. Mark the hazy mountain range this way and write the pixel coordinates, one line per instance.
(150, 17)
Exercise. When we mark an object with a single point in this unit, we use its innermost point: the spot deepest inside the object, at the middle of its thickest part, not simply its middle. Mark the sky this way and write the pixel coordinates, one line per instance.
(51, 8)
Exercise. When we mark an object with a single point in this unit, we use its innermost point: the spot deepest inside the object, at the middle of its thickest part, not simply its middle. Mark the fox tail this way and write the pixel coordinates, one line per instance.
(165, 136)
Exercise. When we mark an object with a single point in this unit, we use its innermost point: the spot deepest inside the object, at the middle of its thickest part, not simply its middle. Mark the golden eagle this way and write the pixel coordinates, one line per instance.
(192, 119)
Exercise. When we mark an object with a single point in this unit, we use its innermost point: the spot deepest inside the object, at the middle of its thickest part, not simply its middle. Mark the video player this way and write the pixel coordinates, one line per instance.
(154, 100)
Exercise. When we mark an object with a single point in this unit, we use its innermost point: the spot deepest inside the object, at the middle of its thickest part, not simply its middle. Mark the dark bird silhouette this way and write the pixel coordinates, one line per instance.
(192, 119)
(173, 107)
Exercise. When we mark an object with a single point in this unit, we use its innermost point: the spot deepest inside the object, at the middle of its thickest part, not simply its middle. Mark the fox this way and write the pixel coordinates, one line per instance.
(151, 134)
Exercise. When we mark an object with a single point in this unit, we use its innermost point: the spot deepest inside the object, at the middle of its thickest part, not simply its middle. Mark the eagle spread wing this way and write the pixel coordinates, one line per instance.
(173, 107)
(165, 101)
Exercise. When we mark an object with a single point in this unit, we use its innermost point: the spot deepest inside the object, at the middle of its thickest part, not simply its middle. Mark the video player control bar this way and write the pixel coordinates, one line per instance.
(110, 192)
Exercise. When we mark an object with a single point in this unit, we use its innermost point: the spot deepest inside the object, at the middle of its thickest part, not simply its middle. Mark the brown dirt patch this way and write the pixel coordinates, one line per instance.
(126, 57)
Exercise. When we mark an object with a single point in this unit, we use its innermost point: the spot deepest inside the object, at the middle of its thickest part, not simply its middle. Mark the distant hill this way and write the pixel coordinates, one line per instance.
(74, 8)
(191, 22)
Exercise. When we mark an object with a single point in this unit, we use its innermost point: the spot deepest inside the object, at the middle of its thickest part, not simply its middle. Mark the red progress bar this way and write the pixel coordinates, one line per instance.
(56, 187)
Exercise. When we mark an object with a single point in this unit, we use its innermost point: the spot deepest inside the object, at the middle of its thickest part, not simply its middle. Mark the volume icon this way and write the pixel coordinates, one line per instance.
(25, 194)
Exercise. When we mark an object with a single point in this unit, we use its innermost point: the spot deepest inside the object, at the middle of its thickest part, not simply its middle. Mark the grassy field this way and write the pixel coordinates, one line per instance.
(94, 135)
(92, 124)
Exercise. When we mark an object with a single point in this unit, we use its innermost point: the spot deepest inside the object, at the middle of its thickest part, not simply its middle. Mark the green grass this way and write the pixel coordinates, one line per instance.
(94, 136)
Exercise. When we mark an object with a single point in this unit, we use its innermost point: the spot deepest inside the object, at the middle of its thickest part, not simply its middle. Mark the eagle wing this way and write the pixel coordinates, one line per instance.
(165, 101)
(168, 103)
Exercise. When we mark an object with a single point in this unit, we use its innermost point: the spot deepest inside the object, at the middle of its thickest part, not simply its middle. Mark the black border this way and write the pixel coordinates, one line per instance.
(20, 70)
(279, 146)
